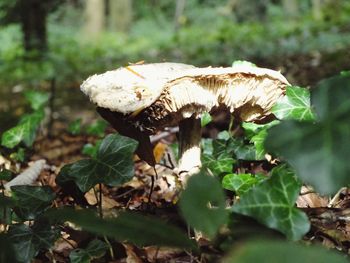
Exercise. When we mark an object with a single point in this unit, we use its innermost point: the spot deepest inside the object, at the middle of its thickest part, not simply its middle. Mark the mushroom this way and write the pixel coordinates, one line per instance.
(140, 100)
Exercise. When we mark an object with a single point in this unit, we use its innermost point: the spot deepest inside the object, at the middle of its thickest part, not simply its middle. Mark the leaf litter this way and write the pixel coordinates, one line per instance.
(329, 218)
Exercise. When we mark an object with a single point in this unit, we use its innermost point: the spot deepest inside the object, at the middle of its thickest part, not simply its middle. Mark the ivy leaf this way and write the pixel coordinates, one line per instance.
(242, 63)
(258, 141)
(319, 151)
(218, 165)
(90, 149)
(13, 136)
(25, 131)
(113, 164)
(133, 227)
(6, 203)
(269, 251)
(295, 105)
(257, 134)
(75, 127)
(7, 252)
(31, 200)
(242, 150)
(95, 249)
(330, 99)
(97, 128)
(215, 156)
(202, 204)
(79, 256)
(251, 129)
(27, 241)
(6, 175)
(206, 118)
(241, 183)
(37, 99)
(272, 203)
(19, 155)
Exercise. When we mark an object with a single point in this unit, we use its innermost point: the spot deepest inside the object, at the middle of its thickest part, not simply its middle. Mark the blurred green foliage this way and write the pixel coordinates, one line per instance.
(209, 34)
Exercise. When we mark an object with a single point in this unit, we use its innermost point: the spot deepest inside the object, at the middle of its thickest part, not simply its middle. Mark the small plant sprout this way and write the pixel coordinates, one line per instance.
(170, 94)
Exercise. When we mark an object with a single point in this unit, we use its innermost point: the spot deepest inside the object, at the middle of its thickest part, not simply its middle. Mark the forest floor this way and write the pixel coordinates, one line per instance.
(329, 216)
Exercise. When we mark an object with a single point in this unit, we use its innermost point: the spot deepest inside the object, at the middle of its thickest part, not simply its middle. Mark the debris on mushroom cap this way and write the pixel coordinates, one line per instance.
(129, 89)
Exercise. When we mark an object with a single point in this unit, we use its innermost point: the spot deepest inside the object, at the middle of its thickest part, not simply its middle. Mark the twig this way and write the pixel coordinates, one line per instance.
(336, 197)
(100, 201)
(158, 137)
(170, 161)
(125, 193)
(51, 106)
(111, 252)
(308, 192)
(69, 243)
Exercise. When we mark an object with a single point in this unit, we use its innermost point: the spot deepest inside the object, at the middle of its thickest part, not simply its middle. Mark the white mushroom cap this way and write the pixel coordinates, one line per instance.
(187, 89)
(129, 89)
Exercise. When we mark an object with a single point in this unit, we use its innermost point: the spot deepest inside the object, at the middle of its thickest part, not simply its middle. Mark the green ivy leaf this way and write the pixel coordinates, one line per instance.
(258, 141)
(330, 99)
(216, 156)
(257, 134)
(269, 251)
(206, 118)
(25, 131)
(272, 203)
(27, 241)
(295, 105)
(113, 164)
(202, 204)
(6, 175)
(13, 136)
(135, 228)
(345, 73)
(19, 155)
(37, 99)
(319, 152)
(31, 201)
(7, 252)
(95, 249)
(218, 165)
(242, 63)
(75, 127)
(6, 205)
(97, 128)
(241, 150)
(251, 129)
(90, 149)
(241, 183)
(79, 256)
(6, 201)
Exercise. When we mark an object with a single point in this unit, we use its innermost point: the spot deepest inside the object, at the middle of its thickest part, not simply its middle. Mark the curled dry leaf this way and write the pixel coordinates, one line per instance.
(28, 176)
(309, 198)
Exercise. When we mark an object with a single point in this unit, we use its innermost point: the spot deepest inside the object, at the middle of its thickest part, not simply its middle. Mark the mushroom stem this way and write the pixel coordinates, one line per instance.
(189, 147)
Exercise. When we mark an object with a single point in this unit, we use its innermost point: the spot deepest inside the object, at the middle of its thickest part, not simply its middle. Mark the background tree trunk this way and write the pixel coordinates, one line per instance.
(179, 10)
(291, 8)
(33, 14)
(317, 9)
(120, 15)
(94, 18)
